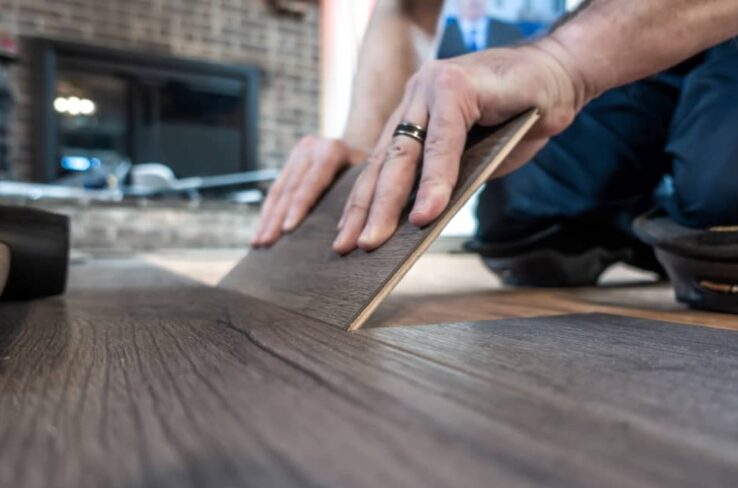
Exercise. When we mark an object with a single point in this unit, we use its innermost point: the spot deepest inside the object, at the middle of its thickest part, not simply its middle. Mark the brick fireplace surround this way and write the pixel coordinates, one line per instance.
(286, 48)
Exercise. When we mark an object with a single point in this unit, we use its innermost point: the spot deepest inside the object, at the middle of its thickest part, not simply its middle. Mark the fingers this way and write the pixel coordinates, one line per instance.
(443, 148)
(357, 208)
(328, 159)
(267, 209)
(395, 180)
(277, 203)
(311, 168)
(357, 205)
(355, 219)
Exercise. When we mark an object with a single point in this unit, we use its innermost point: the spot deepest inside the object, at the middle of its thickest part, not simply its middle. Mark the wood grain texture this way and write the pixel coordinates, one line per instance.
(158, 381)
(681, 381)
(302, 273)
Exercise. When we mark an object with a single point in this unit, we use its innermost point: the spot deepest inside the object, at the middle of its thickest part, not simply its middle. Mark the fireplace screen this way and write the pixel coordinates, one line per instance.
(104, 107)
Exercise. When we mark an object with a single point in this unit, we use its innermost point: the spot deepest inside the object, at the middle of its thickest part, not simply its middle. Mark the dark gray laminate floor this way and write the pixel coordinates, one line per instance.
(140, 378)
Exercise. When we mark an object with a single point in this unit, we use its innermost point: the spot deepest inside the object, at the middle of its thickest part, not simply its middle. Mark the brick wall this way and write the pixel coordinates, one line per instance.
(232, 31)
(5, 107)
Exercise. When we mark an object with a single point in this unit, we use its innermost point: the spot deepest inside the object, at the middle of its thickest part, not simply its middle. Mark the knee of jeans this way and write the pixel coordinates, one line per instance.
(500, 217)
(702, 203)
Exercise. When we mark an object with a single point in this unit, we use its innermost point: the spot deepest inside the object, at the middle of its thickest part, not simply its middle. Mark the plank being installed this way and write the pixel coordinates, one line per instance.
(140, 378)
(302, 273)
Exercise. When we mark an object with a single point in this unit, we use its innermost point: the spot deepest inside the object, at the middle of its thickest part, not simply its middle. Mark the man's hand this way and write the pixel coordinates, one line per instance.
(448, 97)
(391, 52)
(606, 44)
(310, 169)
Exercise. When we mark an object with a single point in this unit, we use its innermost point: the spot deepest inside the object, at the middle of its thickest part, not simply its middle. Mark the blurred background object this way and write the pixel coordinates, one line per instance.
(8, 53)
(153, 125)
(111, 110)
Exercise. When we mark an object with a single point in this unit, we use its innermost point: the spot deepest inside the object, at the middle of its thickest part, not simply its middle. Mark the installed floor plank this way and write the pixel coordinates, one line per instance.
(159, 381)
(443, 288)
(303, 274)
(679, 380)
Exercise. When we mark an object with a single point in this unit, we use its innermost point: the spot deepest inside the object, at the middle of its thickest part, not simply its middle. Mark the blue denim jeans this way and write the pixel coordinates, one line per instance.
(671, 139)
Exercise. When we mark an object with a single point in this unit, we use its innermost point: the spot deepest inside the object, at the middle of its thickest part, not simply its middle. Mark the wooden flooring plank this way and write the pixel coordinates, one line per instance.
(619, 446)
(303, 274)
(675, 379)
(176, 384)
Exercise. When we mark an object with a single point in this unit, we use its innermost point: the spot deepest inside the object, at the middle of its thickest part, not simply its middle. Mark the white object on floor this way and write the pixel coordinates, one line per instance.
(464, 223)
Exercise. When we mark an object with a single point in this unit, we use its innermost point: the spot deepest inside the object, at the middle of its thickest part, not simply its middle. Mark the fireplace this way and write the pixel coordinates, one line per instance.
(97, 106)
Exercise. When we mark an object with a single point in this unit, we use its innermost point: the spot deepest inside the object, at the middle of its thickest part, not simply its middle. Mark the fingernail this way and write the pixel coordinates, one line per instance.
(289, 223)
(270, 235)
(419, 210)
(420, 207)
(367, 236)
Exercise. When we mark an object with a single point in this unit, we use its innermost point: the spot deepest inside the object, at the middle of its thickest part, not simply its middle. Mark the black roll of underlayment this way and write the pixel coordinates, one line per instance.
(38, 245)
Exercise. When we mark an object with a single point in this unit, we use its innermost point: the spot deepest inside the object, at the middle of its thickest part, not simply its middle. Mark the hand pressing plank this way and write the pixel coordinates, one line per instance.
(302, 273)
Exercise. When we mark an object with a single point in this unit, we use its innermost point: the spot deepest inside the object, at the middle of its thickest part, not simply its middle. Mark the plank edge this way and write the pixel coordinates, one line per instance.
(438, 226)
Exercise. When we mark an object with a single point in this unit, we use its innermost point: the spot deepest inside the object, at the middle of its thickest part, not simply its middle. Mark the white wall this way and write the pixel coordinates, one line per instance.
(343, 23)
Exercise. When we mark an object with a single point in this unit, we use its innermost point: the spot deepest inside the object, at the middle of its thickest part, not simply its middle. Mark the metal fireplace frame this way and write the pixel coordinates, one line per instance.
(46, 55)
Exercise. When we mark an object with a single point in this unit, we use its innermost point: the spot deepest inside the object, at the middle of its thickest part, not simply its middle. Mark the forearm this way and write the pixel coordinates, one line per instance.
(609, 43)
(393, 49)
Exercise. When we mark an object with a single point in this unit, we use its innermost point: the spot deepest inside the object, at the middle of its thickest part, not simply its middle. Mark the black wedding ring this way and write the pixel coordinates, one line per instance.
(413, 131)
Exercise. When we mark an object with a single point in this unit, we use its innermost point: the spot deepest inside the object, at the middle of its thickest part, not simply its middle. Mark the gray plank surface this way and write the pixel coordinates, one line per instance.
(678, 380)
(303, 274)
(140, 378)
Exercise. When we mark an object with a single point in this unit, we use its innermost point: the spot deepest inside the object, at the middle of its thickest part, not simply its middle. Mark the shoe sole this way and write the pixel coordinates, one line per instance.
(702, 284)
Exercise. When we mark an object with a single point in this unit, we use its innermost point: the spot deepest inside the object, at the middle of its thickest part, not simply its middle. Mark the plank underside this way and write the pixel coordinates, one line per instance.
(140, 378)
(301, 273)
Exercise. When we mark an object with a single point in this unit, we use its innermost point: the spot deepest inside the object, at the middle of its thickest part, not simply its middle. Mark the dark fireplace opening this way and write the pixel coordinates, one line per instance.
(102, 107)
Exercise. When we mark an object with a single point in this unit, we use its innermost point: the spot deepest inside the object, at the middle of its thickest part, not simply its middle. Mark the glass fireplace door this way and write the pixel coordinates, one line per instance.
(101, 107)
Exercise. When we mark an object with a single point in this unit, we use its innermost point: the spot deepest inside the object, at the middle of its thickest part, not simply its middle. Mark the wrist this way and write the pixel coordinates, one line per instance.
(557, 48)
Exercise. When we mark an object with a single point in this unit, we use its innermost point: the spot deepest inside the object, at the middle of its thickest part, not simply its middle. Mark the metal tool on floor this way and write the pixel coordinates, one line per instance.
(34, 253)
